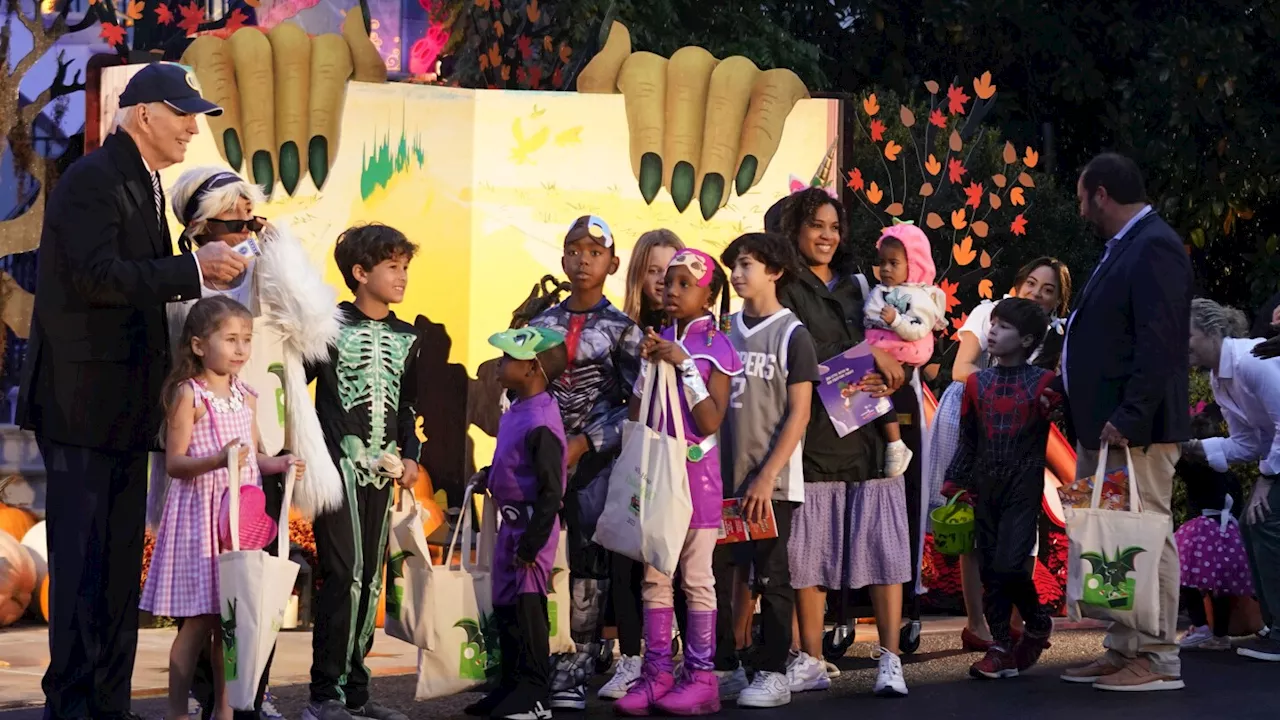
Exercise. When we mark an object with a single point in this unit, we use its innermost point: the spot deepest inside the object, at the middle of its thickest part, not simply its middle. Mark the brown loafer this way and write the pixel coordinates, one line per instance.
(1090, 673)
(1137, 676)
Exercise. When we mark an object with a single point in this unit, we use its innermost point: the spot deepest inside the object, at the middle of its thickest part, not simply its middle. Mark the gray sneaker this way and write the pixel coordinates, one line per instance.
(1259, 648)
(327, 710)
(374, 711)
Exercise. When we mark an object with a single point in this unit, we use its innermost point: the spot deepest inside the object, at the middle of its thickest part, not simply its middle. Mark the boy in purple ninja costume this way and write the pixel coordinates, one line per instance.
(526, 481)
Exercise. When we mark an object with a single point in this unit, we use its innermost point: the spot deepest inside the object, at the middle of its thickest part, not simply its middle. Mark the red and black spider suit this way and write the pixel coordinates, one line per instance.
(1000, 462)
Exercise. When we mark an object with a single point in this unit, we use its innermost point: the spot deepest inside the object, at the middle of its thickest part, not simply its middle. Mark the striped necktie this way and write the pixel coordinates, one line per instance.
(159, 193)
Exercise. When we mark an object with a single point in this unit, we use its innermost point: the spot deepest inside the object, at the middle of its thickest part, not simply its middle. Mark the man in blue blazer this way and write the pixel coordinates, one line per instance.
(1125, 371)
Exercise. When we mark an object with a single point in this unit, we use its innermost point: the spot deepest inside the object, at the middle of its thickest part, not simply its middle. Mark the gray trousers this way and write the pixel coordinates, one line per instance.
(1262, 541)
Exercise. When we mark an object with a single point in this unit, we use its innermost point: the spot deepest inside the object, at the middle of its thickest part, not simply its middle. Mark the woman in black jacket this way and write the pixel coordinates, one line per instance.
(852, 530)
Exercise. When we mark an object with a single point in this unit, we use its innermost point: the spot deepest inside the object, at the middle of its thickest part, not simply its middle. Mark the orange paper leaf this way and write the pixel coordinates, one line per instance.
(956, 100)
(994, 199)
(937, 118)
(956, 143)
(984, 288)
(134, 11)
(963, 251)
(908, 118)
(931, 86)
(933, 166)
(1025, 180)
(1010, 155)
(973, 195)
(934, 221)
(1030, 158)
(979, 228)
(955, 170)
(957, 219)
(531, 10)
(877, 131)
(983, 87)
(949, 289)
(999, 180)
(1018, 226)
(891, 150)
(984, 260)
(926, 190)
(1016, 197)
(855, 179)
(874, 194)
(871, 105)
(895, 210)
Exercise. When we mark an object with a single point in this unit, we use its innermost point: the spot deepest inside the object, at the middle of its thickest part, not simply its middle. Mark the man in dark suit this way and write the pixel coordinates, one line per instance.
(98, 353)
(1125, 369)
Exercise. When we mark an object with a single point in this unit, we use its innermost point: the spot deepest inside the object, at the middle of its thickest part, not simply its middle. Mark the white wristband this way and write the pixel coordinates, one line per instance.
(695, 390)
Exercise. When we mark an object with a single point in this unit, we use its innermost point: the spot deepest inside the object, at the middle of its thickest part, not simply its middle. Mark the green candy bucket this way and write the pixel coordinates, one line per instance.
(953, 528)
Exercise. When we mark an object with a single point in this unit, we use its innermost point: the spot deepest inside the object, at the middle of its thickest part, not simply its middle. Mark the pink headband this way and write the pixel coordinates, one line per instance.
(700, 265)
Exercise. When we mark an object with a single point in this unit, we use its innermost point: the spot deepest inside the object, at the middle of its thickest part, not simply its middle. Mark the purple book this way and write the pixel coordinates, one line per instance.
(849, 407)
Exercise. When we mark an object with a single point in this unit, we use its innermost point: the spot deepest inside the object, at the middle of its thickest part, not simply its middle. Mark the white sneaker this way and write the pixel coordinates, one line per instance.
(732, 682)
(897, 457)
(1195, 637)
(889, 681)
(768, 690)
(626, 672)
(806, 673)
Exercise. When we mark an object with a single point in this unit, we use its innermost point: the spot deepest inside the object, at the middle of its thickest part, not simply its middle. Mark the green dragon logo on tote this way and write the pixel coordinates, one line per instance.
(1109, 584)
(395, 571)
(230, 658)
(552, 605)
(480, 656)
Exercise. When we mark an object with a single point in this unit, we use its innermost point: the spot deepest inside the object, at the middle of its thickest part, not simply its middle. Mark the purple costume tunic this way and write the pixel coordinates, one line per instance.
(710, 349)
(527, 481)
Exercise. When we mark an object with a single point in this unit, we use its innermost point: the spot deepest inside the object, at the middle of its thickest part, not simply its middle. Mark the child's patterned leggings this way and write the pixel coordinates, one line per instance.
(697, 577)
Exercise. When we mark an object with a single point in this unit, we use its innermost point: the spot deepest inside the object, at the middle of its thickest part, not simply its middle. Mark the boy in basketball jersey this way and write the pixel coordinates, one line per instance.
(763, 430)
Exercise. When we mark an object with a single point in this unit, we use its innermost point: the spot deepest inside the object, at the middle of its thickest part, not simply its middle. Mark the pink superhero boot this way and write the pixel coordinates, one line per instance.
(698, 690)
(655, 676)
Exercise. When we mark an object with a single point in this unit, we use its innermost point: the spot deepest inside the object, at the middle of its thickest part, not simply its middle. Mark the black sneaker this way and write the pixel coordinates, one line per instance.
(485, 706)
(525, 702)
(374, 711)
(1261, 648)
(574, 698)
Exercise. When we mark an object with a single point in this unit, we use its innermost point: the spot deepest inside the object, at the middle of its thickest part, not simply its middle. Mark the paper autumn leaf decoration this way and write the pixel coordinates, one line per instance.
(1019, 225)
(874, 194)
(933, 166)
(871, 105)
(937, 118)
(134, 10)
(957, 219)
(973, 195)
(949, 289)
(1016, 196)
(982, 86)
(963, 251)
(192, 16)
(877, 131)
(955, 170)
(855, 180)
(956, 100)
(1031, 158)
(891, 150)
(111, 34)
(236, 20)
(164, 16)
(532, 11)
(984, 288)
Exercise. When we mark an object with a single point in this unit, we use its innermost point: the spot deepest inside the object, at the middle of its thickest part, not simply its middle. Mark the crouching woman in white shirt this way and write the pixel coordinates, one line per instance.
(1247, 388)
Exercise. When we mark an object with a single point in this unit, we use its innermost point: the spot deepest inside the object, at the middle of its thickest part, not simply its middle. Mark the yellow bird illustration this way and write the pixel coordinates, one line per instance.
(526, 146)
(572, 136)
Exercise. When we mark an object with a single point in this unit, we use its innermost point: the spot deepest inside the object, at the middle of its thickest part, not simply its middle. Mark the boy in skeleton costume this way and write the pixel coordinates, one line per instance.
(603, 348)
(364, 397)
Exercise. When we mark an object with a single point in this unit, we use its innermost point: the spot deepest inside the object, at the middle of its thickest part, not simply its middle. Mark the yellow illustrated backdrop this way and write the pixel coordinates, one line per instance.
(486, 183)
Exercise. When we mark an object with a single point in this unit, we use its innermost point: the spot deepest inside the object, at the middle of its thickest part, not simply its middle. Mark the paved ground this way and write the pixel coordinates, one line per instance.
(1219, 685)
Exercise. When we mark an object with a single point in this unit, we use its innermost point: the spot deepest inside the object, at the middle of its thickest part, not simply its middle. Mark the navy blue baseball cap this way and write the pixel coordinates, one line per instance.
(167, 83)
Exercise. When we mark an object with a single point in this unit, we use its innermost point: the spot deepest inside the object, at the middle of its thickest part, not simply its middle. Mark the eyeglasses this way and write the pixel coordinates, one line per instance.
(239, 226)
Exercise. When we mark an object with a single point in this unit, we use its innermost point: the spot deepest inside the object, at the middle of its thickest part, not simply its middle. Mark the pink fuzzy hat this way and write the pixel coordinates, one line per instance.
(920, 267)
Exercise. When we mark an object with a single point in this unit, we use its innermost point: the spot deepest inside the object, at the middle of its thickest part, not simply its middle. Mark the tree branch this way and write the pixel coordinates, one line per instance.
(41, 38)
(58, 88)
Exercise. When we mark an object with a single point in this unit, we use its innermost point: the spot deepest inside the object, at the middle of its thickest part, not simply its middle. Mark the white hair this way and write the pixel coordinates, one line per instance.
(126, 118)
(213, 202)
(1218, 321)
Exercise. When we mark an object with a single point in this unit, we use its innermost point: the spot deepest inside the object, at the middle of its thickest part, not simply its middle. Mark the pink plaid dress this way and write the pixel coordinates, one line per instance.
(183, 578)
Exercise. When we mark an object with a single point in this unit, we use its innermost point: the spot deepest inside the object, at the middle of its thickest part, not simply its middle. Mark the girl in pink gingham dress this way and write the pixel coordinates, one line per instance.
(209, 411)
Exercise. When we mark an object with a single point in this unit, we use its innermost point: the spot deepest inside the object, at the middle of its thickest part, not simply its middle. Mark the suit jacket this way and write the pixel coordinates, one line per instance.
(1127, 342)
(99, 348)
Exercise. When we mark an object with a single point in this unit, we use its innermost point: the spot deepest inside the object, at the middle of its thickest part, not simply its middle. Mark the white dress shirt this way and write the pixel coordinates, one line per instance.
(1248, 391)
(1111, 245)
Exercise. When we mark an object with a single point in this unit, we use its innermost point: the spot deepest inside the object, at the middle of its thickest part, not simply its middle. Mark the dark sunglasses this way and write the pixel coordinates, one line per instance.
(238, 226)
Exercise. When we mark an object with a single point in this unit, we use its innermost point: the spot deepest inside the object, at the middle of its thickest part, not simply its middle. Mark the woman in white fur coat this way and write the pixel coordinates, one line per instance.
(295, 317)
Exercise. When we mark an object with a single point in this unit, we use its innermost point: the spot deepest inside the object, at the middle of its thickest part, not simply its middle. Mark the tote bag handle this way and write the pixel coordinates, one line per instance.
(662, 377)
(1135, 500)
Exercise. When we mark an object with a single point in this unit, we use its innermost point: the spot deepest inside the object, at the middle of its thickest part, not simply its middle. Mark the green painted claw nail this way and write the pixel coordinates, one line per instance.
(746, 174)
(290, 171)
(650, 176)
(231, 143)
(711, 194)
(318, 160)
(682, 185)
(263, 173)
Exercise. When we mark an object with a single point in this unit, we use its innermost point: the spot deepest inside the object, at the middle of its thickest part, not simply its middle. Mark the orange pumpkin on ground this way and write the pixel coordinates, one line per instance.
(14, 520)
(44, 598)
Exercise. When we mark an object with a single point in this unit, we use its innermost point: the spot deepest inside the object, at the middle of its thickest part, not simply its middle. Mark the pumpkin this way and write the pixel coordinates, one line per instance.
(14, 520)
(17, 579)
(44, 599)
(382, 608)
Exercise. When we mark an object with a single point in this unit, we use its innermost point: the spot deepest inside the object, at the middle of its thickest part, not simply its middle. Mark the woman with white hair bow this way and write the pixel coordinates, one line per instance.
(295, 313)
(1247, 388)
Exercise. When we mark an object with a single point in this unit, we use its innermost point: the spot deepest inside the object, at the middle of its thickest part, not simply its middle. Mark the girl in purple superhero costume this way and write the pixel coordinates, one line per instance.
(704, 359)
(527, 482)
